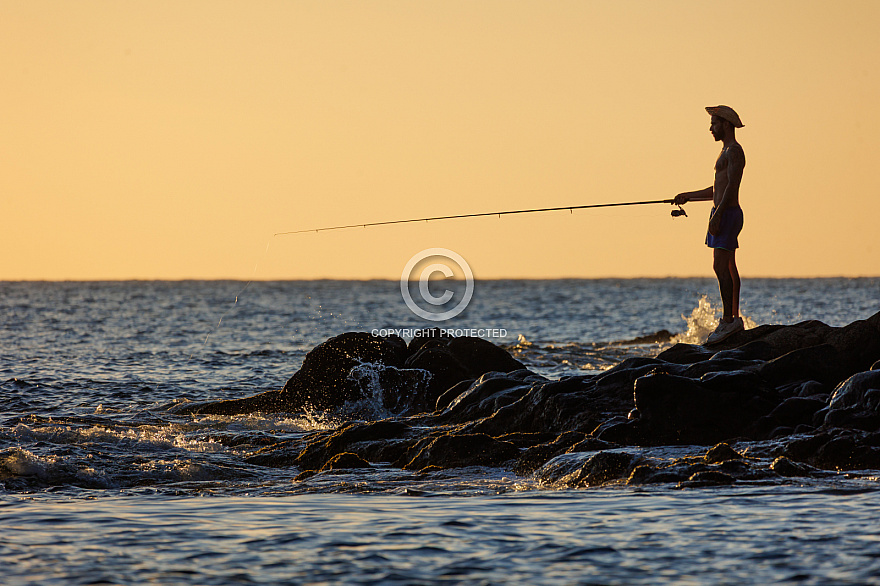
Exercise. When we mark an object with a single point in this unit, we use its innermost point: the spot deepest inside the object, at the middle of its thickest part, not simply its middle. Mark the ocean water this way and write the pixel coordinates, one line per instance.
(100, 483)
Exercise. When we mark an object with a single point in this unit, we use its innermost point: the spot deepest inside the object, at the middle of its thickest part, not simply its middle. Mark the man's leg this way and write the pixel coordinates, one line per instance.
(725, 269)
(734, 275)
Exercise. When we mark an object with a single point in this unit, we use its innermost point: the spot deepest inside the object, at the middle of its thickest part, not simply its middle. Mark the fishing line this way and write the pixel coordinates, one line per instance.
(234, 303)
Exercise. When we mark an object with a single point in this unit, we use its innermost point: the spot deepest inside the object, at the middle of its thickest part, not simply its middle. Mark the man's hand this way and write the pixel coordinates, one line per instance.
(681, 198)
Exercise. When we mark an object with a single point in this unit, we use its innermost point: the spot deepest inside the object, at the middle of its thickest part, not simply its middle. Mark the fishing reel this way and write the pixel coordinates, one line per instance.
(679, 212)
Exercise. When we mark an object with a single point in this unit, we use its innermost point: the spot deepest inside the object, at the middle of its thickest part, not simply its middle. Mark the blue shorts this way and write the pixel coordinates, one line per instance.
(731, 226)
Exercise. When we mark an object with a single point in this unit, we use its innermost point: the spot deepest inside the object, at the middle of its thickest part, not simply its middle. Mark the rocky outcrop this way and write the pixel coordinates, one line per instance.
(465, 402)
(358, 365)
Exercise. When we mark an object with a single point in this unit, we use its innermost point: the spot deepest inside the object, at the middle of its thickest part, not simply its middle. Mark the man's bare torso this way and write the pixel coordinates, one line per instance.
(722, 177)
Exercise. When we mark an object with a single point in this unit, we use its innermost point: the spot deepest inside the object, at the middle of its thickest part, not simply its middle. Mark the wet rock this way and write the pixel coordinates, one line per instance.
(448, 396)
(785, 467)
(534, 411)
(526, 440)
(822, 363)
(685, 354)
(708, 478)
(323, 381)
(855, 402)
(812, 388)
(404, 391)
(574, 471)
(590, 444)
(780, 339)
(456, 451)
(489, 393)
(344, 461)
(659, 337)
(679, 410)
(854, 391)
(836, 449)
(322, 446)
(720, 465)
(796, 410)
(463, 402)
(357, 365)
(536, 456)
(721, 453)
(858, 343)
(452, 360)
(648, 474)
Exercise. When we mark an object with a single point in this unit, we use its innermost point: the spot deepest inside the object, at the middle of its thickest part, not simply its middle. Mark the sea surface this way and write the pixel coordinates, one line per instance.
(101, 484)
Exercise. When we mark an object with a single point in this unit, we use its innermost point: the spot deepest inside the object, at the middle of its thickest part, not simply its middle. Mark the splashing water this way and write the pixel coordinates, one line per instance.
(703, 321)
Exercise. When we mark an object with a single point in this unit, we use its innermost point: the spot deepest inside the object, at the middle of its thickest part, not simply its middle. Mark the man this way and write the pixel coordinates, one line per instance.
(726, 217)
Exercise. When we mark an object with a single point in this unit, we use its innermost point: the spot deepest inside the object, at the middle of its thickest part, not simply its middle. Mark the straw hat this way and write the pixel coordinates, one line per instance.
(727, 113)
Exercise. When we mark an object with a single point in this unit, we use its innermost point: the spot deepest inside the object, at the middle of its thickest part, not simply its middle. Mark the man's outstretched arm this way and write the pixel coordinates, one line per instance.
(701, 195)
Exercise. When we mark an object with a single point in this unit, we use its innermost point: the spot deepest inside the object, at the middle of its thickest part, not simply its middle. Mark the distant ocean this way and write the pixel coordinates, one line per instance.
(101, 484)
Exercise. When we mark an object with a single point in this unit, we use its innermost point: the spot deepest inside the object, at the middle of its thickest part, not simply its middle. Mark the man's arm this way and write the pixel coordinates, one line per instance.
(701, 195)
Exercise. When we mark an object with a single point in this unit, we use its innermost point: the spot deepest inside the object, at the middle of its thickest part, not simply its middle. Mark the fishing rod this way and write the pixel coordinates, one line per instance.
(675, 213)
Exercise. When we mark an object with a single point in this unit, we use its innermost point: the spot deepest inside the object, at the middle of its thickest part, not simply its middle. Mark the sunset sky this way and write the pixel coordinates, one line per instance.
(169, 140)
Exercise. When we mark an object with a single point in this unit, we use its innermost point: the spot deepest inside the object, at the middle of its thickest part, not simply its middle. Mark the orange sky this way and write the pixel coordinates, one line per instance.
(173, 139)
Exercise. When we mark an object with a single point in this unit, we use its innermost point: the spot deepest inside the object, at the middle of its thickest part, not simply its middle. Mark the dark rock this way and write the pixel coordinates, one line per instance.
(304, 475)
(821, 363)
(525, 440)
(456, 451)
(854, 391)
(660, 337)
(812, 388)
(321, 447)
(358, 365)
(344, 461)
(323, 381)
(590, 444)
(693, 471)
(754, 350)
(487, 395)
(468, 402)
(780, 431)
(780, 339)
(685, 354)
(858, 343)
(679, 410)
(796, 410)
(452, 360)
(574, 404)
(802, 449)
(708, 478)
(785, 467)
(855, 402)
(747, 337)
(721, 453)
(404, 391)
(648, 474)
(716, 364)
(836, 449)
(536, 456)
(444, 400)
(601, 468)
